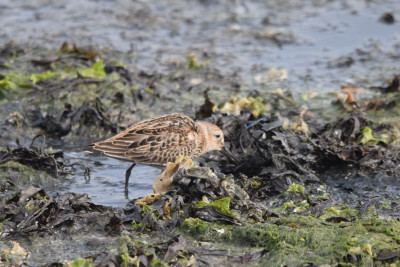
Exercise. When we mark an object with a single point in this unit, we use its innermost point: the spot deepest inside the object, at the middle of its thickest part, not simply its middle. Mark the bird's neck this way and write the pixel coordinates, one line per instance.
(202, 144)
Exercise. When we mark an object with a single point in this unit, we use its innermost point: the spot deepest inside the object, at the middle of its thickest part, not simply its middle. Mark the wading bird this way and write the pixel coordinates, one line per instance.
(162, 139)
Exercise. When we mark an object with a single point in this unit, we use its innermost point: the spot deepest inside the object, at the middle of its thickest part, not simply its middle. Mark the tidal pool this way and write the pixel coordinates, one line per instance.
(107, 180)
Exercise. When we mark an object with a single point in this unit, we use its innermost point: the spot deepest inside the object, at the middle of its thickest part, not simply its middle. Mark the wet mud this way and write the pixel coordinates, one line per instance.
(308, 101)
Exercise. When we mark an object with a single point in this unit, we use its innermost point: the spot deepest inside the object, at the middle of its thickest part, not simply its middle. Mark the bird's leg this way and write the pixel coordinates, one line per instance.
(127, 175)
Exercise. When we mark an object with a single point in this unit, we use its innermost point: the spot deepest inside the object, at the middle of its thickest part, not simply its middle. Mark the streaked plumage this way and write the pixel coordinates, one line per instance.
(162, 139)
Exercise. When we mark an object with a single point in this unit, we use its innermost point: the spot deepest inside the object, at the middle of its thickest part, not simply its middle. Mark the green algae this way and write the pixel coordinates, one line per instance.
(149, 90)
(5, 86)
(81, 262)
(236, 104)
(299, 239)
(21, 174)
(14, 83)
(297, 207)
(295, 189)
(131, 247)
(192, 62)
(29, 206)
(198, 228)
(36, 77)
(136, 226)
(221, 205)
(146, 208)
(258, 106)
(341, 211)
(367, 137)
(95, 71)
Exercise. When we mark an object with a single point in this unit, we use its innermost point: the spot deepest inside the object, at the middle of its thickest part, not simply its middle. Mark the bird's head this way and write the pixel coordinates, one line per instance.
(215, 140)
(213, 135)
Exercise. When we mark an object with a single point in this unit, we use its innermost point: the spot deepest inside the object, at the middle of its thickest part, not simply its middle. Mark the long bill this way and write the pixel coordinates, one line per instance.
(227, 153)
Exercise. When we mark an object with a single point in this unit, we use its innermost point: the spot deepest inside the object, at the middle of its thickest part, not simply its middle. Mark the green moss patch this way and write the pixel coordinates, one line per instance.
(21, 174)
(300, 239)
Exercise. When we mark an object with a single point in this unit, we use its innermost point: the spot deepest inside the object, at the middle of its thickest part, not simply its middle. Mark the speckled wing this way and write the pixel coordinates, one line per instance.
(155, 141)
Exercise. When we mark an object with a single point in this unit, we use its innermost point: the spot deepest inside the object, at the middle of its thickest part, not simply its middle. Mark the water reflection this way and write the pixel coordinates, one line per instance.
(107, 178)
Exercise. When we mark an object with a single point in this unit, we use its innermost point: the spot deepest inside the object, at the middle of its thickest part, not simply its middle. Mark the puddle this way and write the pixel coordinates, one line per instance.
(107, 180)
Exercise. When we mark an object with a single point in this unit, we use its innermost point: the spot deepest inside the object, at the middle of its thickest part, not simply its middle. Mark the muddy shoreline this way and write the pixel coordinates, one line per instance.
(299, 179)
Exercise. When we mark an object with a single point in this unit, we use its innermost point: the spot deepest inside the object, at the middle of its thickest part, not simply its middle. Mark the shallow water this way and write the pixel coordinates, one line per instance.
(231, 33)
(107, 179)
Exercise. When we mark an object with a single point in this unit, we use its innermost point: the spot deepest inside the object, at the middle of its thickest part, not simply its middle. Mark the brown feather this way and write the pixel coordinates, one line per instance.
(162, 139)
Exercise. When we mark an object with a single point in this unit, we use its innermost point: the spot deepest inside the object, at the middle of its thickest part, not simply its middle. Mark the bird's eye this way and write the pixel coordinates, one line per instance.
(217, 136)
